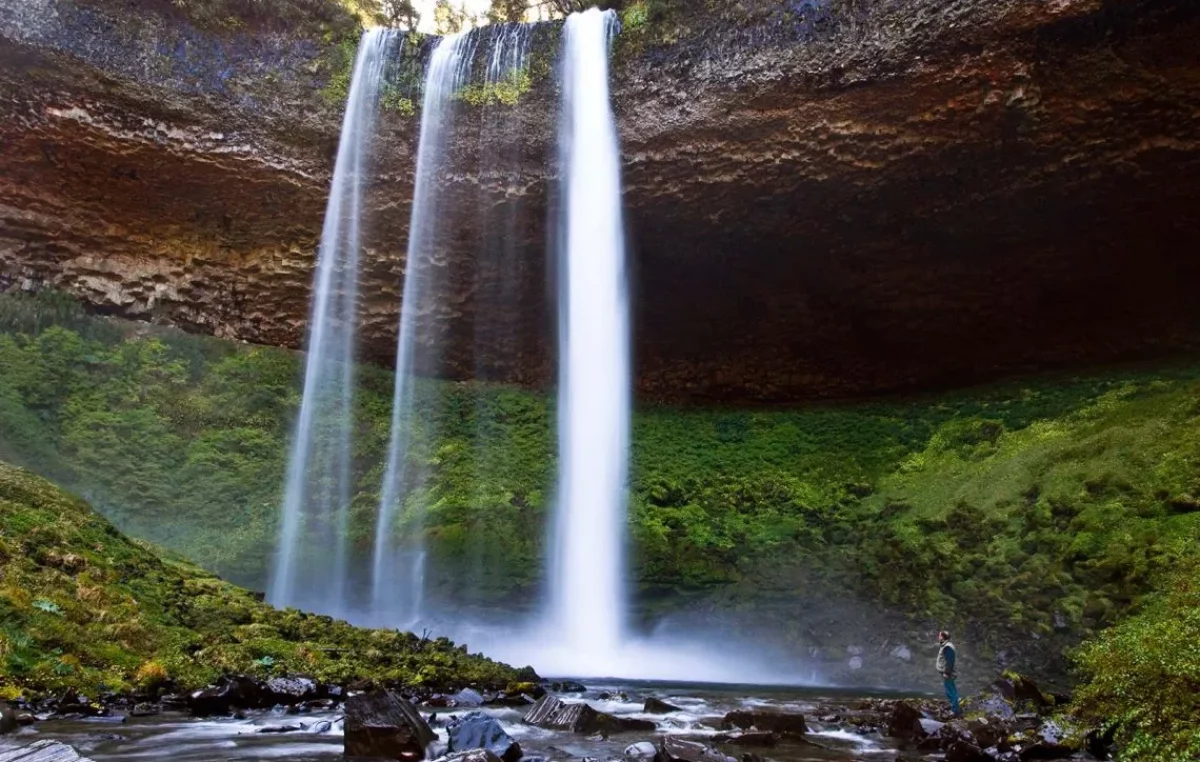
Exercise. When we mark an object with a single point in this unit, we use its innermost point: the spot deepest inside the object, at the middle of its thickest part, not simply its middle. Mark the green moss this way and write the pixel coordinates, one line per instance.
(82, 606)
(339, 62)
(506, 91)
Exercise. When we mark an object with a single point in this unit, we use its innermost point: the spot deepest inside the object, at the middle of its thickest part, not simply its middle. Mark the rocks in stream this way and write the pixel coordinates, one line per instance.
(381, 725)
(658, 706)
(642, 750)
(8, 719)
(477, 730)
(289, 691)
(676, 750)
(780, 723)
(474, 755)
(553, 713)
(42, 751)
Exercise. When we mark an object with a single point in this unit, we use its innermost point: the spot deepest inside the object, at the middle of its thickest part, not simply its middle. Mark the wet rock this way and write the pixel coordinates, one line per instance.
(383, 725)
(230, 694)
(289, 691)
(769, 722)
(904, 721)
(903, 653)
(641, 750)
(658, 706)
(42, 751)
(143, 710)
(479, 731)
(1048, 744)
(931, 727)
(270, 729)
(25, 718)
(467, 697)
(749, 739)
(962, 751)
(8, 719)
(988, 731)
(320, 727)
(474, 755)
(1061, 624)
(568, 686)
(676, 750)
(174, 702)
(555, 714)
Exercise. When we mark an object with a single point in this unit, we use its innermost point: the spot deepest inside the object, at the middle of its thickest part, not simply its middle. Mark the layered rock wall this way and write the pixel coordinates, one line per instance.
(822, 200)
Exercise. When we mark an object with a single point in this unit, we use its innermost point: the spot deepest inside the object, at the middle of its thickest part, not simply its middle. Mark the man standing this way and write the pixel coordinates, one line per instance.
(947, 661)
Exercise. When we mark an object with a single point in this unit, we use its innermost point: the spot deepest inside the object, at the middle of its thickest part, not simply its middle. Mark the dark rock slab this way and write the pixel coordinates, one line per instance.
(8, 719)
(479, 731)
(658, 706)
(759, 739)
(553, 713)
(381, 725)
(767, 722)
(233, 693)
(42, 751)
(677, 750)
(962, 751)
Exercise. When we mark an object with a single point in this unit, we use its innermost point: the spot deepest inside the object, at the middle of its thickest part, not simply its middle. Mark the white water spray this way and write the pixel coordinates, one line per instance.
(398, 569)
(311, 558)
(587, 561)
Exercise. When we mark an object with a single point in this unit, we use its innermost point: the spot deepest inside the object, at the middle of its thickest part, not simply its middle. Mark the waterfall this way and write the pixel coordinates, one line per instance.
(587, 572)
(311, 559)
(398, 568)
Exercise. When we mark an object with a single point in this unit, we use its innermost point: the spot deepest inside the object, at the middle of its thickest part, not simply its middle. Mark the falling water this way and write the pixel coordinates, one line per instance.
(398, 569)
(311, 559)
(587, 573)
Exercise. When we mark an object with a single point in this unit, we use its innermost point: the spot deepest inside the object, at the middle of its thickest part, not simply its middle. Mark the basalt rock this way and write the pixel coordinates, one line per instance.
(658, 706)
(555, 714)
(477, 730)
(41, 751)
(767, 722)
(824, 199)
(381, 725)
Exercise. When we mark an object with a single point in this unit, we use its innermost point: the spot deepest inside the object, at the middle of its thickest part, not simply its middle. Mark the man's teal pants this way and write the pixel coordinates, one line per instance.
(952, 694)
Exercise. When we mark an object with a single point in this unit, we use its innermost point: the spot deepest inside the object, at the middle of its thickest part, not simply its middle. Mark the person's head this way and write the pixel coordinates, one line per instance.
(943, 636)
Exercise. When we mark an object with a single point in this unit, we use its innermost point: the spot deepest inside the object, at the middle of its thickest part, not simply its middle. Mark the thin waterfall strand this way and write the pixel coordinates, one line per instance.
(398, 568)
(317, 491)
(588, 575)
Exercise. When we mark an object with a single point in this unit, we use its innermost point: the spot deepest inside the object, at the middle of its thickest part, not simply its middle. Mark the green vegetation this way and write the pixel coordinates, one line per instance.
(303, 16)
(1142, 677)
(83, 606)
(506, 91)
(1004, 506)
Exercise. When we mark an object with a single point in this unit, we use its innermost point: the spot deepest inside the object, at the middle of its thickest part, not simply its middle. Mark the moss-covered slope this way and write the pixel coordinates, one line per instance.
(81, 605)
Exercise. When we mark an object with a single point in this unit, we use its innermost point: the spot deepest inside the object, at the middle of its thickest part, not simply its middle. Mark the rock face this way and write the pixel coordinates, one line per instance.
(822, 201)
(381, 725)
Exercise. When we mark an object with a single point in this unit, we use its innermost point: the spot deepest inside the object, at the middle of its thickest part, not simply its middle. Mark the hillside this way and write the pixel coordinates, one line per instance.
(83, 606)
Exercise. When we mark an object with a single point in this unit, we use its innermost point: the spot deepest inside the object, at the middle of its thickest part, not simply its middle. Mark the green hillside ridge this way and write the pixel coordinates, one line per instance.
(85, 607)
(1035, 508)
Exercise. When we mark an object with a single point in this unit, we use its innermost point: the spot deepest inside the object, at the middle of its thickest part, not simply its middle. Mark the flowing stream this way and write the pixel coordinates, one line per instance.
(318, 735)
(311, 560)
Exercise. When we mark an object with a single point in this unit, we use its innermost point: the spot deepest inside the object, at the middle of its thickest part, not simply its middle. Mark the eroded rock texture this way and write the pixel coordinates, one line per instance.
(822, 201)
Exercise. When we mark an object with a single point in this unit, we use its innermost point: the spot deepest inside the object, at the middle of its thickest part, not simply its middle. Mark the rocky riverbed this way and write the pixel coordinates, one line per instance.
(637, 722)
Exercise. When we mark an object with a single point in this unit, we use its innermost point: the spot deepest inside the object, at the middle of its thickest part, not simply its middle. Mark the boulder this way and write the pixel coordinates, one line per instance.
(289, 691)
(676, 750)
(658, 706)
(555, 714)
(1048, 743)
(42, 751)
(232, 693)
(1020, 690)
(8, 719)
(479, 731)
(467, 697)
(381, 725)
(768, 722)
(568, 686)
(904, 721)
(642, 750)
(749, 739)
